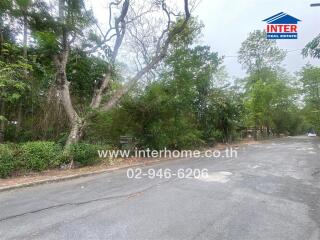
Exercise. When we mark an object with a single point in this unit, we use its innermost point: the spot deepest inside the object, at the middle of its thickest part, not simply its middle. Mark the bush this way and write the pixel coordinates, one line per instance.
(8, 160)
(84, 154)
(40, 155)
(216, 136)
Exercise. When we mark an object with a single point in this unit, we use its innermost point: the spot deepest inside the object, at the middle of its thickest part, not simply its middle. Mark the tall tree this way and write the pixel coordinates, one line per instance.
(310, 78)
(21, 11)
(258, 52)
(75, 23)
(269, 97)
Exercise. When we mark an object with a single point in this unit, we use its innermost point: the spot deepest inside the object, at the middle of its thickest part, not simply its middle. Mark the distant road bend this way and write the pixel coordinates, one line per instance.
(270, 192)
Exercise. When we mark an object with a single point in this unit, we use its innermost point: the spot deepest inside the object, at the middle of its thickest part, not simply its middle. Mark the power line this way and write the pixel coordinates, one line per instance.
(230, 56)
(294, 50)
(286, 50)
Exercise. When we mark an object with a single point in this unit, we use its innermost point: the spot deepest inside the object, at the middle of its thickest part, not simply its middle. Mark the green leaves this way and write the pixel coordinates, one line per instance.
(84, 72)
(5, 5)
(3, 118)
(13, 82)
(270, 101)
(23, 4)
(257, 52)
(47, 42)
(269, 95)
(310, 78)
(183, 109)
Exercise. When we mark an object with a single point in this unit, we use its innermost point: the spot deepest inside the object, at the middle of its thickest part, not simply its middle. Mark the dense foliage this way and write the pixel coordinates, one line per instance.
(42, 155)
(309, 76)
(184, 102)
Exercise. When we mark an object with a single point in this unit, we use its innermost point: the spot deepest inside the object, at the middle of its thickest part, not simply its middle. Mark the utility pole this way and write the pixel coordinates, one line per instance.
(315, 5)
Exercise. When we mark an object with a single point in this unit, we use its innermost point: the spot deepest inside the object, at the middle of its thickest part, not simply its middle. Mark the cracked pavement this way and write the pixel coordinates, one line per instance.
(271, 191)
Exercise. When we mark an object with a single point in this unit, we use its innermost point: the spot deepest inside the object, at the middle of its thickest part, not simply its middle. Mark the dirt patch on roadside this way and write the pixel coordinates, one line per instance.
(53, 174)
(58, 174)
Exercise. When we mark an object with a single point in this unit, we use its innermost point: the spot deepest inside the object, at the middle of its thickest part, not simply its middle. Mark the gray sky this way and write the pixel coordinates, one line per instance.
(228, 22)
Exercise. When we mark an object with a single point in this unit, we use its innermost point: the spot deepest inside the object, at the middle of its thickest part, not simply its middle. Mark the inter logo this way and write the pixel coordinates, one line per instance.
(282, 26)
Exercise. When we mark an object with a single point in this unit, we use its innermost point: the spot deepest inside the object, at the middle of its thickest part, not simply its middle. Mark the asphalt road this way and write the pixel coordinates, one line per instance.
(271, 191)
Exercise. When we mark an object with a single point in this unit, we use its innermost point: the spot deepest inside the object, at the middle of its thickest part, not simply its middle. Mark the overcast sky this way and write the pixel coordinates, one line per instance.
(228, 22)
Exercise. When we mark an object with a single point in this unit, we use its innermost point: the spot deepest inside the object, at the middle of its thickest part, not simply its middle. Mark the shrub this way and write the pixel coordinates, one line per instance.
(84, 154)
(216, 136)
(8, 160)
(40, 155)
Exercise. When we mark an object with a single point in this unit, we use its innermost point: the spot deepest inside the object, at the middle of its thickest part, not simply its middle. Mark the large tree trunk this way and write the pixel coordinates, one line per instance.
(19, 119)
(61, 59)
(2, 123)
(25, 55)
(76, 122)
(98, 92)
(1, 36)
(2, 106)
(25, 36)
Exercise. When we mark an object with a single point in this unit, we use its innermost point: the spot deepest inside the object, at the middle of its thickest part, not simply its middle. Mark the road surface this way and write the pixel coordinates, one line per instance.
(270, 191)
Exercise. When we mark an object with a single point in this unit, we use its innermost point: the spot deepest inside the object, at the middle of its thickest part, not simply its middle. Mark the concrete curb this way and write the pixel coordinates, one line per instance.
(75, 176)
(87, 174)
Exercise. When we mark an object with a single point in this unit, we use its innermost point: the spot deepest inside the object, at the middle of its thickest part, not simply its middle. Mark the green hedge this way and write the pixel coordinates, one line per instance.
(9, 162)
(84, 154)
(42, 155)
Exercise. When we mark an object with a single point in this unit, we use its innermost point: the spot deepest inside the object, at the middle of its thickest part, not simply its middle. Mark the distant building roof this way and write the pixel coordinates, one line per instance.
(281, 18)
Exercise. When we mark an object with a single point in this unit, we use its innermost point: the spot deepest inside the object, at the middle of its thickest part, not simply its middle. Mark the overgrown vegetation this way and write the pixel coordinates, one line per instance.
(41, 155)
(64, 91)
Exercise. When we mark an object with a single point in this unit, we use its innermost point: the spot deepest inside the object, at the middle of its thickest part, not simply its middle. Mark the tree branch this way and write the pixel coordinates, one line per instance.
(120, 27)
(161, 52)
